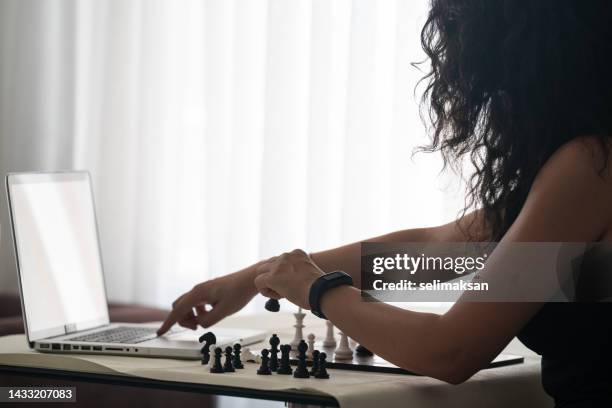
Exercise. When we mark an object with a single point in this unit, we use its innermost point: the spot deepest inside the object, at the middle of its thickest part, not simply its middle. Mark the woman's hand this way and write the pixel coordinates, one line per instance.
(289, 276)
(225, 296)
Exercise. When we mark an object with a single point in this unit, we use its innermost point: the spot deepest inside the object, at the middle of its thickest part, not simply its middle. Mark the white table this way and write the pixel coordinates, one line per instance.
(510, 386)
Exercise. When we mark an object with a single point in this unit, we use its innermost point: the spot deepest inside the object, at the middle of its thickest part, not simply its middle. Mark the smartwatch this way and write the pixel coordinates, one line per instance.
(321, 285)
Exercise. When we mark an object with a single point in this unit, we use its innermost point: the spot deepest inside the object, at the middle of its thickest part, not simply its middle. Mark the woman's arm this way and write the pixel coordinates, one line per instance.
(570, 201)
(347, 258)
(230, 293)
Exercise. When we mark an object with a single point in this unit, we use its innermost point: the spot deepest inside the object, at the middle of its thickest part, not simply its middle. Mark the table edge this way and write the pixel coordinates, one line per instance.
(225, 390)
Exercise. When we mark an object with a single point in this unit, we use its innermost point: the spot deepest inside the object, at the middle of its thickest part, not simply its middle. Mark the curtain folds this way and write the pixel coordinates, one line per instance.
(219, 132)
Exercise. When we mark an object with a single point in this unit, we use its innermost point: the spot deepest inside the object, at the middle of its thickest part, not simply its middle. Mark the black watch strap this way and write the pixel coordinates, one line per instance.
(321, 285)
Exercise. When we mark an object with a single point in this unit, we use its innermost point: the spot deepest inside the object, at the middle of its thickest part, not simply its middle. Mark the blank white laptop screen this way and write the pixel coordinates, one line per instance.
(57, 247)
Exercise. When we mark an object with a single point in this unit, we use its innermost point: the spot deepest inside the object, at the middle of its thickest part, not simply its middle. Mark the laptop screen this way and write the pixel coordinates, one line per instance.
(59, 264)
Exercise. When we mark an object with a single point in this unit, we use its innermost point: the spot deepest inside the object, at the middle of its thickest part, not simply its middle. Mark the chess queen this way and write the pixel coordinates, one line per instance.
(522, 92)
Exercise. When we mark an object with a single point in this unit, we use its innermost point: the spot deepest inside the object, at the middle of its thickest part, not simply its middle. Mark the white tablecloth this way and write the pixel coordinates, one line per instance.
(511, 386)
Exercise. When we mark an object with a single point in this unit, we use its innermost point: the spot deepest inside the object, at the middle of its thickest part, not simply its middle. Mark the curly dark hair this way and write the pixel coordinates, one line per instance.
(510, 82)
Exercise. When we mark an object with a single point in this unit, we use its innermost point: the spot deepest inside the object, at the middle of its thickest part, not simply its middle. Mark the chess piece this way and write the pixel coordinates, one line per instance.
(264, 369)
(322, 369)
(315, 362)
(363, 352)
(247, 355)
(209, 339)
(217, 368)
(272, 305)
(311, 341)
(205, 350)
(330, 340)
(236, 362)
(299, 325)
(301, 371)
(343, 352)
(228, 367)
(285, 363)
(274, 342)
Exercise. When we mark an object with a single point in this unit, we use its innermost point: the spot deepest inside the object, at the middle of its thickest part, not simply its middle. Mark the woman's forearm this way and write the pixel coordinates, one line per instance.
(347, 258)
(411, 340)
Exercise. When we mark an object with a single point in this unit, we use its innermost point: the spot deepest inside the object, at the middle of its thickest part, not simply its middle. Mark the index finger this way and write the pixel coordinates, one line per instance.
(182, 307)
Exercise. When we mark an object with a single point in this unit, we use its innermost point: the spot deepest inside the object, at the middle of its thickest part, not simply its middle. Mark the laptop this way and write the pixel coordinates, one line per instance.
(61, 280)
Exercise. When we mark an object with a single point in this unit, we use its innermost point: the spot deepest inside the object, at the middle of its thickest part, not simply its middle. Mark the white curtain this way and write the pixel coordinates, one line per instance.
(219, 132)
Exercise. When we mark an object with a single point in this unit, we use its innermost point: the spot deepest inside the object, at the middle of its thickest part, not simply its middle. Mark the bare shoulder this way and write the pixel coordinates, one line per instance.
(587, 155)
(572, 193)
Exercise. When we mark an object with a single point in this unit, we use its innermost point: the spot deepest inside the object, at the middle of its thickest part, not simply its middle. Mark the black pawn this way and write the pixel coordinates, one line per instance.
(264, 369)
(272, 305)
(237, 362)
(301, 371)
(315, 362)
(362, 351)
(285, 364)
(217, 368)
(274, 342)
(322, 369)
(228, 367)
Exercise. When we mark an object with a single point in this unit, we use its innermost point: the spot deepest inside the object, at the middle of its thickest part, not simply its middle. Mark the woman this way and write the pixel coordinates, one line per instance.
(523, 88)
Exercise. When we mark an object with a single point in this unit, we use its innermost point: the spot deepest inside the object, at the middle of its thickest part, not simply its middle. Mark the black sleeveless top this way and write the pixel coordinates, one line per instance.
(575, 342)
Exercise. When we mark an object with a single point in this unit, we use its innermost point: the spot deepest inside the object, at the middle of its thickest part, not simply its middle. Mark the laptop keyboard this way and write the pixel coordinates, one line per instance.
(119, 334)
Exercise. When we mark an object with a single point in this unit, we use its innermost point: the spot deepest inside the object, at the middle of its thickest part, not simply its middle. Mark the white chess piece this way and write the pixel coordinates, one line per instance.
(247, 355)
(299, 325)
(330, 340)
(311, 340)
(343, 352)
